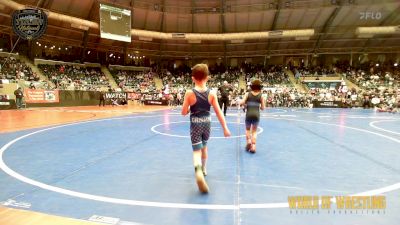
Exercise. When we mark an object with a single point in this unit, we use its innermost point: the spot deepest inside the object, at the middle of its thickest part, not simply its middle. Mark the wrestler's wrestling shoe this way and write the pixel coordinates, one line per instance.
(201, 182)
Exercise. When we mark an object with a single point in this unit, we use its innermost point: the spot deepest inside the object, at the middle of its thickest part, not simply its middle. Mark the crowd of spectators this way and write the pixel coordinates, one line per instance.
(180, 82)
(371, 75)
(134, 81)
(291, 97)
(314, 71)
(278, 90)
(14, 69)
(73, 77)
(371, 79)
(270, 77)
(176, 82)
(387, 100)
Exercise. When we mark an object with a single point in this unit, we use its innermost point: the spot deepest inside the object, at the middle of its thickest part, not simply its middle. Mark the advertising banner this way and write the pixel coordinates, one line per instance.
(41, 96)
(328, 104)
(115, 95)
(133, 96)
(156, 102)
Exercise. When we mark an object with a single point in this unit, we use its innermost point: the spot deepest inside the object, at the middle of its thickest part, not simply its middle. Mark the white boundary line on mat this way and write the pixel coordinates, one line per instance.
(372, 124)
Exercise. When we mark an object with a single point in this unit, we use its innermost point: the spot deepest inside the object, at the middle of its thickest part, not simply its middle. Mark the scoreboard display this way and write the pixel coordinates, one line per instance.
(115, 23)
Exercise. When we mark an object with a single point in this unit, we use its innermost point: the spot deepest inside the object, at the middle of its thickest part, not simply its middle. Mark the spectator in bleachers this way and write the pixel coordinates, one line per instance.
(32, 86)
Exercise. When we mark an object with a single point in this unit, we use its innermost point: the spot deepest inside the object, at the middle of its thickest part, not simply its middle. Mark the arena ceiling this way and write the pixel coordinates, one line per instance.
(334, 22)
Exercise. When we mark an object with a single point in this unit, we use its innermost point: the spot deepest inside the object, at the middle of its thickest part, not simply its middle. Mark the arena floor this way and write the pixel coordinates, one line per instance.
(131, 166)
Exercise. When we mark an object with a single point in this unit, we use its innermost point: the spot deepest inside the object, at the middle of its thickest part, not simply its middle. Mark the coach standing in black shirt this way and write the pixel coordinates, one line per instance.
(224, 100)
(102, 98)
(18, 97)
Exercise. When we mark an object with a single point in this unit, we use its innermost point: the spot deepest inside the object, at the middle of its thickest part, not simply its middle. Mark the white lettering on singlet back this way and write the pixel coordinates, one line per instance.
(200, 119)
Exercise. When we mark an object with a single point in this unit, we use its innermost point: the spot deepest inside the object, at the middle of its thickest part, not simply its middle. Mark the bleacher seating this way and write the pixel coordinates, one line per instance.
(134, 81)
(270, 77)
(371, 79)
(14, 69)
(73, 77)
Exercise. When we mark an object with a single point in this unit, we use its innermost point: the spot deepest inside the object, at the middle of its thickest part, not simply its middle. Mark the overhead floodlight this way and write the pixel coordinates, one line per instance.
(377, 30)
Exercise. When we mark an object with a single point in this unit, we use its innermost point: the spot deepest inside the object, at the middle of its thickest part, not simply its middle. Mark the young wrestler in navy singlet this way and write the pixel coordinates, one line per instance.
(199, 101)
(254, 102)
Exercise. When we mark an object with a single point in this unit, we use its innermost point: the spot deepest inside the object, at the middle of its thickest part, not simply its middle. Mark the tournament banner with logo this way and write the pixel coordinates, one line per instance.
(156, 102)
(29, 24)
(328, 104)
(41, 96)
